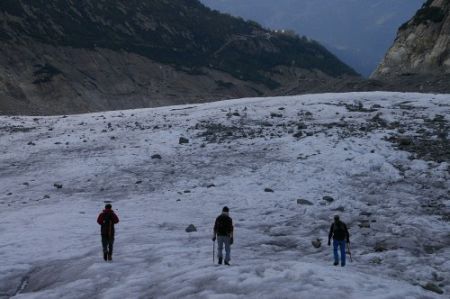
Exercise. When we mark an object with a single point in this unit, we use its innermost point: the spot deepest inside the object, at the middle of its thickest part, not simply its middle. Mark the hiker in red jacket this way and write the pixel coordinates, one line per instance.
(107, 219)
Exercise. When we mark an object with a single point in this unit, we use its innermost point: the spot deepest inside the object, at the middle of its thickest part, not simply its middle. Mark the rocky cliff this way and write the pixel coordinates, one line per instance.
(422, 46)
(73, 56)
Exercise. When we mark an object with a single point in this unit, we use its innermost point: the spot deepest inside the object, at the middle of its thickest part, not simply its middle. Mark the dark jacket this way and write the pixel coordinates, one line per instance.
(107, 219)
(223, 225)
(339, 231)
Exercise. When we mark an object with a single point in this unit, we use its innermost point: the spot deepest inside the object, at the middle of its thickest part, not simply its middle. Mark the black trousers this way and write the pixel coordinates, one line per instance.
(107, 243)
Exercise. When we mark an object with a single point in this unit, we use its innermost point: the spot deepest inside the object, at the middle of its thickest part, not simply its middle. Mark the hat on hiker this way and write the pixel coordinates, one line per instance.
(108, 206)
(336, 217)
(225, 209)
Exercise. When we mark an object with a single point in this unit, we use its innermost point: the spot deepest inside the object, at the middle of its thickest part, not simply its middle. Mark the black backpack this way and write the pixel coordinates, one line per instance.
(339, 230)
(107, 225)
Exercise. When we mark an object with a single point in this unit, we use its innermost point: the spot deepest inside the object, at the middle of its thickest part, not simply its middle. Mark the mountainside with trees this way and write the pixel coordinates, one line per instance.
(77, 56)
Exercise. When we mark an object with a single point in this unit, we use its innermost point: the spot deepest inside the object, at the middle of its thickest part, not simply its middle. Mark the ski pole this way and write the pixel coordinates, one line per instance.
(214, 251)
(349, 252)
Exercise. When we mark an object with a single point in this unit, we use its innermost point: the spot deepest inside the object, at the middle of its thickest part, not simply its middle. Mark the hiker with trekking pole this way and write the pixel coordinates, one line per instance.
(106, 220)
(223, 233)
(341, 237)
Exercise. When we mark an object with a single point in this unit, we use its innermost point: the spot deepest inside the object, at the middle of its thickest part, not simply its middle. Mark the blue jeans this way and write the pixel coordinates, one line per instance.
(341, 244)
(221, 241)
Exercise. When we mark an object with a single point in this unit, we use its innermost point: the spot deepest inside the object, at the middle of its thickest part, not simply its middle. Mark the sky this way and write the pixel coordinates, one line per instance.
(359, 32)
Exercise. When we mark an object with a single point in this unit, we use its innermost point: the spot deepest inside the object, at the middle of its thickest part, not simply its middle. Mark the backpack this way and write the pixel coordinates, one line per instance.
(107, 224)
(223, 224)
(339, 230)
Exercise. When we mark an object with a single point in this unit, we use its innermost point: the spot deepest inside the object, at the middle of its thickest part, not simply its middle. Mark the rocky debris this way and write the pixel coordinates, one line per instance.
(358, 107)
(57, 185)
(364, 224)
(46, 196)
(31, 143)
(274, 115)
(380, 247)
(365, 213)
(298, 134)
(430, 143)
(191, 228)
(305, 202)
(317, 243)
(156, 156)
(339, 209)
(138, 182)
(210, 186)
(376, 260)
(183, 140)
(433, 288)
(268, 190)
(328, 199)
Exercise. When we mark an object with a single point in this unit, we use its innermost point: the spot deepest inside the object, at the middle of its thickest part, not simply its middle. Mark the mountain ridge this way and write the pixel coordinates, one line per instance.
(80, 56)
(422, 45)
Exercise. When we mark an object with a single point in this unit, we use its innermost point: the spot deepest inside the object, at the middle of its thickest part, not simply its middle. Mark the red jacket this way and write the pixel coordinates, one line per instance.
(107, 231)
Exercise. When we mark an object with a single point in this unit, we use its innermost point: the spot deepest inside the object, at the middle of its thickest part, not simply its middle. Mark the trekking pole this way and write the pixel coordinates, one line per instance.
(214, 251)
(349, 252)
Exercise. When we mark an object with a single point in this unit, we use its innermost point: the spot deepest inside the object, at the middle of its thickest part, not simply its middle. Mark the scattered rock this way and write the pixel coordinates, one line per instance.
(31, 143)
(376, 260)
(316, 243)
(364, 224)
(274, 114)
(191, 228)
(380, 247)
(328, 199)
(305, 202)
(404, 141)
(138, 182)
(309, 134)
(210, 186)
(364, 213)
(57, 185)
(187, 191)
(433, 288)
(46, 196)
(298, 134)
(183, 140)
(268, 190)
(178, 199)
(156, 156)
(339, 209)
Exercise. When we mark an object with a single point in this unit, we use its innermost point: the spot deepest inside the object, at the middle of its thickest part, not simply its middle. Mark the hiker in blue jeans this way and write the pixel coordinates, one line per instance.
(340, 235)
(223, 233)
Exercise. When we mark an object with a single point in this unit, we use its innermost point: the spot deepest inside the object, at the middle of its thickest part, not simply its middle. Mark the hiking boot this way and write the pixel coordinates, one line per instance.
(336, 263)
(227, 263)
(109, 257)
(105, 256)
(220, 261)
(342, 265)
